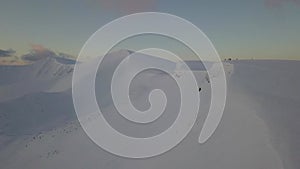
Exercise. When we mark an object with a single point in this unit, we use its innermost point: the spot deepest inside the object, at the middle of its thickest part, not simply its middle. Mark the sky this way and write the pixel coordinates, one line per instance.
(259, 29)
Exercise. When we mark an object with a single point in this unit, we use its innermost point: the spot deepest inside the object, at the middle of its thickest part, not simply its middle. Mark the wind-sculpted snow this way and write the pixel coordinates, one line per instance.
(46, 75)
(259, 129)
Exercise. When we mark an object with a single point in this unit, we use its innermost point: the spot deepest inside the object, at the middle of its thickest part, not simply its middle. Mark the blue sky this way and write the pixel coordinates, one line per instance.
(239, 29)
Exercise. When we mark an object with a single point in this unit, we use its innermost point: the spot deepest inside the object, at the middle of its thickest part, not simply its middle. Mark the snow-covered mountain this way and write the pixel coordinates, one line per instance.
(41, 76)
(259, 129)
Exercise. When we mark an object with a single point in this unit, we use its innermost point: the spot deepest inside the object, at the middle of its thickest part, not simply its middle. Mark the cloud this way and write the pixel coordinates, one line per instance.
(280, 3)
(7, 53)
(126, 6)
(38, 52)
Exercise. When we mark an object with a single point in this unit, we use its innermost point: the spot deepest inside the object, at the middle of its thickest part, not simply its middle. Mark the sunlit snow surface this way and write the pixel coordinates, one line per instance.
(260, 128)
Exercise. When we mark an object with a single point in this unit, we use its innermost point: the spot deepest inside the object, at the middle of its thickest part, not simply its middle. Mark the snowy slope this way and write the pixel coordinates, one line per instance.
(260, 127)
(43, 75)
